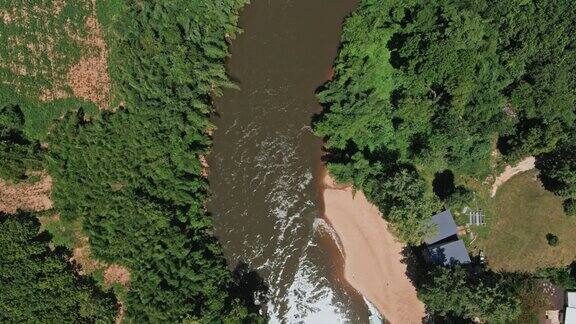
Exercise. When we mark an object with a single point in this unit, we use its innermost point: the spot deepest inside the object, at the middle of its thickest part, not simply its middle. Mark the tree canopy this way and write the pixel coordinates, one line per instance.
(425, 89)
(133, 177)
(489, 296)
(439, 85)
(38, 284)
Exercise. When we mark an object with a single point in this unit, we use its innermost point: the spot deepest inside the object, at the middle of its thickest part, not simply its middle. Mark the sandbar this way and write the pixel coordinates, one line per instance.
(372, 255)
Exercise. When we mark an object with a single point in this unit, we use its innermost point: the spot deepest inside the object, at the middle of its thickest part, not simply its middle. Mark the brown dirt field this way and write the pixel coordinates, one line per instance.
(116, 274)
(26, 196)
(89, 78)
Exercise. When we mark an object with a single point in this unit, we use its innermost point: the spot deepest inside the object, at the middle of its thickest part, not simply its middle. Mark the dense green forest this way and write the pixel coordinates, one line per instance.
(454, 291)
(456, 89)
(132, 176)
(38, 284)
(420, 88)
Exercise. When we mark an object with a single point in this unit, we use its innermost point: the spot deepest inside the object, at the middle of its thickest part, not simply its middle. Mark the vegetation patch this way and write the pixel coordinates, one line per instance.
(526, 213)
(53, 49)
(128, 185)
(428, 101)
(40, 284)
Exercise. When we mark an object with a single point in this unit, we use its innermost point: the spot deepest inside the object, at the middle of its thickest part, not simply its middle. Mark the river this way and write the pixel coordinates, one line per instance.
(265, 160)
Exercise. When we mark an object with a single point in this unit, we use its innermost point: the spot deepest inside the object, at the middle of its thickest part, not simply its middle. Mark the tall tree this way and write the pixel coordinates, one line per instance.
(558, 168)
(491, 297)
(38, 284)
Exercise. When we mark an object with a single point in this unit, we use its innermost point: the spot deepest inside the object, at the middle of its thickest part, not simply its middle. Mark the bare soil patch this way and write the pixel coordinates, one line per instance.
(205, 166)
(116, 274)
(524, 165)
(121, 312)
(89, 77)
(50, 57)
(26, 196)
(82, 255)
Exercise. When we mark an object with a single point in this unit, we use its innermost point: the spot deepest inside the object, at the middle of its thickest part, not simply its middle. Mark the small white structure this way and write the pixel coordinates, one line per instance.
(571, 299)
(476, 218)
(570, 314)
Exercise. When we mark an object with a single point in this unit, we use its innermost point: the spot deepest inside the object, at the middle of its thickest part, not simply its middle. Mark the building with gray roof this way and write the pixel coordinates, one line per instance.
(449, 253)
(441, 226)
(443, 244)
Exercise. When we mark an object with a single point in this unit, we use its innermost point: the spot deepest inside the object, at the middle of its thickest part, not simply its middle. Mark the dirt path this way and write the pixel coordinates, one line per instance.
(373, 257)
(524, 165)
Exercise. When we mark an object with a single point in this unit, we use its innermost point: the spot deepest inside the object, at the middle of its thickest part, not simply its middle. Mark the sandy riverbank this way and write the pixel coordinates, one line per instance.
(372, 256)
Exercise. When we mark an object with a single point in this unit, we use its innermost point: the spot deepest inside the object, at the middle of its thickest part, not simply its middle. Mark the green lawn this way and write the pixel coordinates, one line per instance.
(524, 213)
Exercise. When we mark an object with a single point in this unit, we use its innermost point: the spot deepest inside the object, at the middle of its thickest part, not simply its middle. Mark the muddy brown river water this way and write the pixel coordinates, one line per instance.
(265, 161)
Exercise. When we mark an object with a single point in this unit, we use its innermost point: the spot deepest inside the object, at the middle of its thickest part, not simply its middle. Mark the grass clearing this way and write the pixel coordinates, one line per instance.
(53, 49)
(39, 44)
(524, 214)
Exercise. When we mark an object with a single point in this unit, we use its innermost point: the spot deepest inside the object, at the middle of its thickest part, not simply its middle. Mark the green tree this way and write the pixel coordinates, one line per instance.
(134, 176)
(38, 284)
(426, 86)
(18, 154)
(491, 297)
(552, 239)
(570, 206)
(405, 201)
(535, 47)
(558, 168)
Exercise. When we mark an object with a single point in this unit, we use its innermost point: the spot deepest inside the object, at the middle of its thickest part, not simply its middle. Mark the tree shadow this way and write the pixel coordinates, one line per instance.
(417, 268)
(249, 287)
(416, 264)
(443, 184)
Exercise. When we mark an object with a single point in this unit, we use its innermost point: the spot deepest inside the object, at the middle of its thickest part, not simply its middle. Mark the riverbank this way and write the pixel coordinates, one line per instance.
(372, 255)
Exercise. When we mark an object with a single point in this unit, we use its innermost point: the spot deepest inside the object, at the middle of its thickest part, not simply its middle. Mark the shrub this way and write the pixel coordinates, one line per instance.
(552, 239)
(570, 206)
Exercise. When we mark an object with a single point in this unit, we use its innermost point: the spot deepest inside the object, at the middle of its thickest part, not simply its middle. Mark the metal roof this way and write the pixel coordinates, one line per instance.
(449, 253)
(442, 226)
(570, 316)
(571, 298)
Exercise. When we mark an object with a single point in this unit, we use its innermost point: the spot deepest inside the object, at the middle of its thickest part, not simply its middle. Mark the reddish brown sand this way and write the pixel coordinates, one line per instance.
(372, 255)
(26, 196)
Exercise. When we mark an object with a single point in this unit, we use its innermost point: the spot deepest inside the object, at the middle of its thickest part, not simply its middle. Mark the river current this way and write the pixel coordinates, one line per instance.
(266, 161)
